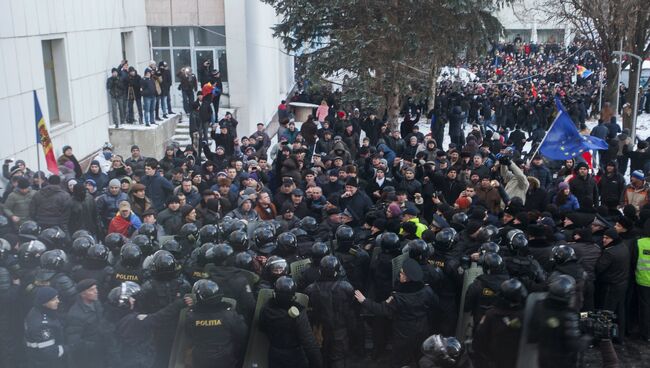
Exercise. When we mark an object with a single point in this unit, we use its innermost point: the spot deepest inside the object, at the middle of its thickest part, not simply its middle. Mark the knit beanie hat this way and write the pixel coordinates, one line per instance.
(43, 295)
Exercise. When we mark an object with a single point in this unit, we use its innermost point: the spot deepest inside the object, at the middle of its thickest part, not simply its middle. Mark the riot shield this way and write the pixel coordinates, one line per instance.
(527, 356)
(397, 266)
(464, 326)
(258, 343)
(297, 267)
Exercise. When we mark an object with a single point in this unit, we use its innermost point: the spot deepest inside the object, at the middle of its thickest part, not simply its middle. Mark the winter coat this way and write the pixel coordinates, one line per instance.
(100, 178)
(358, 205)
(158, 190)
(542, 174)
(611, 187)
(17, 204)
(455, 122)
(516, 183)
(48, 207)
(637, 197)
(570, 205)
(170, 220)
(585, 190)
(148, 88)
(613, 266)
(290, 167)
(82, 215)
(490, 198)
(86, 334)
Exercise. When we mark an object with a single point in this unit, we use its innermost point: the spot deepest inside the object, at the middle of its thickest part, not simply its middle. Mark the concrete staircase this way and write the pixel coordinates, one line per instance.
(182, 132)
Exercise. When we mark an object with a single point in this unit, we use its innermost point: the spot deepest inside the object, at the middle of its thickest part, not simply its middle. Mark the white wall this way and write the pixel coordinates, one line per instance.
(259, 74)
(91, 33)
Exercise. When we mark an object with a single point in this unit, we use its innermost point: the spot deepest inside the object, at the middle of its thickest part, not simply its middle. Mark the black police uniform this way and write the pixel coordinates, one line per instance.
(234, 283)
(409, 308)
(217, 335)
(481, 294)
(527, 270)
(124, 273)
(497, 337)
(332, 311)
(43, 336)
(9, 337)
(292, 343)
(448, 289)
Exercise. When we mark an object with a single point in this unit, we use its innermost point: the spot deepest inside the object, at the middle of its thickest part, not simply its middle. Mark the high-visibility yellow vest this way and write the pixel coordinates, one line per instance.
(643, 262)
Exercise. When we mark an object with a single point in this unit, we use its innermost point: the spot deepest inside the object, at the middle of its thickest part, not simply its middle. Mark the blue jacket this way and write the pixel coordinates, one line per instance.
(108, 205)
(570, 205)
(158, 190)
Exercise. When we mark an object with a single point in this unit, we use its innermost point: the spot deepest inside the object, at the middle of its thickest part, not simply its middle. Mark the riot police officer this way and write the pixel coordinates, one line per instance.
(500, 329)
(10, 324)
(555, 326)
(481, 293)
(234, 282)
(312, 272)
(565, 262)
(331, 302)
(354, 260)
(187, 237)
(52, 274)
(53, 238)
(520, 264)
(285, 323)
(114, 242)
(165, 286)
(216, 333)
(420, 251)
(287, 247)
(449, 287)
(409, 307)
(274, 268)
(195, 266)
(95, 266)
(128, 267)
(442, 352)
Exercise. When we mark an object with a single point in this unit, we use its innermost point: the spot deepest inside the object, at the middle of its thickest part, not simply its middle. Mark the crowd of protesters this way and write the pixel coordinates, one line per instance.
(97, 261)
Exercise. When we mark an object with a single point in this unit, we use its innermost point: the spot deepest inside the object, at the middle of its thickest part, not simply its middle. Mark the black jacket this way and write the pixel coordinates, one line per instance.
(585, 190)
(87, 335)
(148, 88)
(48, 207)
(42, 326)
(613, 266)
(292, 341)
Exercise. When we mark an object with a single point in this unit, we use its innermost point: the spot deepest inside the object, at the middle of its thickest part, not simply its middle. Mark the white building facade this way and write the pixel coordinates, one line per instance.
(529, 20)
(65, 49)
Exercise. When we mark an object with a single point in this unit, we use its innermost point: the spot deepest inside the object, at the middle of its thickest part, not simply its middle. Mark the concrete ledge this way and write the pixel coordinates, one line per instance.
(151, 140)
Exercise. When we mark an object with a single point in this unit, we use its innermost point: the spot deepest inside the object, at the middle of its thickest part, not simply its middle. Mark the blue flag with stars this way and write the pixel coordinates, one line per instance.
(563, 141)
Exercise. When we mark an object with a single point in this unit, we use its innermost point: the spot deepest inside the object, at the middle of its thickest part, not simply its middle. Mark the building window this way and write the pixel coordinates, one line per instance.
(50, 82)
(188, 46)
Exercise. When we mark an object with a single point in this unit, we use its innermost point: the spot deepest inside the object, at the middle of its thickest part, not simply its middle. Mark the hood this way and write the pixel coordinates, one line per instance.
(339, 146)
(51, 190)
(94, 162)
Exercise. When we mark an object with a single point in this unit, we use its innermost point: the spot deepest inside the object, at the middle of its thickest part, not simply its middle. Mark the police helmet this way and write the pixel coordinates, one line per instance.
(29, 230)
(208, 234)
(5, 248)
(80, 246)
(207, 292)
(29, 253)
(114, 241)
(492, 264)
(309, 224)
(173, 247)
(562, 253)
(79, 233)
(163, 265)
(444, 351)
(54, 260)
(459, 218)
(244, 261)
(445, 238)
(130, 255)
(489, 247)
(263, 235)
(287, 243)
(329, 267)
(53, 238)
(487, 233)
(238, 239)
(239, 225)
(144, 243)
(417, 249)
(562, 288)
(220, 254)
(97, 253)
(285, 289)
(189, 232)
(149, 230)
(318, 251)
(516, 240)
(513, 292)
(298, 232)
(204, 255)
(275, 267)
(389, 242)
(344, 234)
(119, 296)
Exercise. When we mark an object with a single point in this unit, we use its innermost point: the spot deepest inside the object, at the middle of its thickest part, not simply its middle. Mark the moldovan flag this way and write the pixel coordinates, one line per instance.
(43, 137)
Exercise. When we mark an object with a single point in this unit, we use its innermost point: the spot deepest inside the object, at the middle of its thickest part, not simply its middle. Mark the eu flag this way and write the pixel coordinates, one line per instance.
(563, 141)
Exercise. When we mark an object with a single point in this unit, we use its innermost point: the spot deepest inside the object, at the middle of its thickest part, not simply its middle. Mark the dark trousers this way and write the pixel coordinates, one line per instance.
(188, 98)
(612, 297)
(129, 105)
(644, 306)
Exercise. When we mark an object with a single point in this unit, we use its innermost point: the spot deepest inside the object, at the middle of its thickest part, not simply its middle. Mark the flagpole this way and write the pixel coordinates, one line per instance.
(545, 135)
(38, 164)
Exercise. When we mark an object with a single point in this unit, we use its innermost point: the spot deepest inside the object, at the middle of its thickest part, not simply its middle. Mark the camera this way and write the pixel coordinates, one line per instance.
(599, 324)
